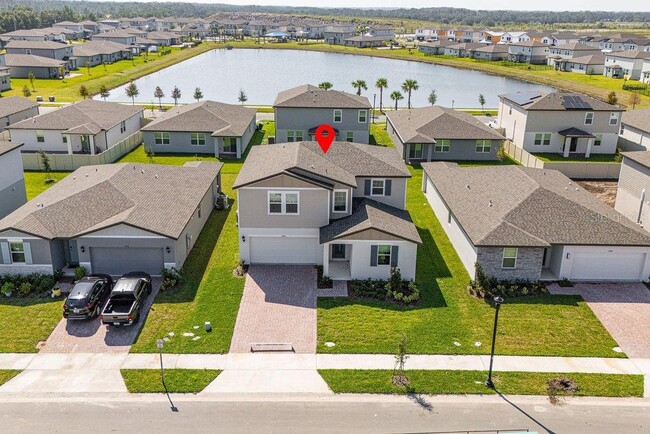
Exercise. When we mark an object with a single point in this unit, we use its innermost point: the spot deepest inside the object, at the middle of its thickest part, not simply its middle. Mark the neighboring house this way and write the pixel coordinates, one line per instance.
(95, 53)
(439, 133)
(112, 219)
(569, 51)
(20, 65)
(49, 49)
(119, 36)
(645, 71)
(532, 52)
(300, 110)
(12, 181)
(344, 209)
(635, 131)
(90, 28)
(633, 193)
(464, 49)
(139, 23)
(47, 34)
(86, 127)
(625, 64)
(338, 34)
(15, 109)
(560, 122)
(365, 41)
(514, 37)
(491, 52)
(525, 223)
(593, 64)
(5, 76)
(436, 47)
(163, 39)
(223, 130)
(77, 28)
(564, 38)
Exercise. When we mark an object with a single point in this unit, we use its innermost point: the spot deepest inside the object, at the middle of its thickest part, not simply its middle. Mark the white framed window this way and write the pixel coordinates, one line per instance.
(161, 138)
(542, 139)
(383, 255)
(294, 136)
(17, 251)
(483, 146)
(230, 145)
(65, 139)
(589, 118)
(363, 116)
(598, 140)
(415, 151)
(283, 202)
(197, 139)
(509, 257)
(338, 116)
(340, 201)
(40, 137)
(442, 146)
(377, 187)
(349, 136)
(613, 118)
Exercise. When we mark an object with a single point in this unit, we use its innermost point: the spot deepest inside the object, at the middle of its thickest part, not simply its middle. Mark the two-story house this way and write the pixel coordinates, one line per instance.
(560, 122)
(205, 127)
(48, 49)
(635, 131)
(77, 28)
(532, 52)
(301, 110)
(624, 64)
(120, 36)
(343, 209)
(15, 109)
(337, 34)
(12, 179)
(633, 192)
(569, 51)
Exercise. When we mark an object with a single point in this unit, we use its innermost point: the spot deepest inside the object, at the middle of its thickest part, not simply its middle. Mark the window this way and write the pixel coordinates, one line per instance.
(65, 139)
(198, 211)
(294, 136)
(40, 137)
(449, 217)
(543, 139)
(230, 145)
(338, 251)
(283, 202)
(442, 146)
(338, 116)
(622, 128)
(613, 118)
(197, 139)
(363, 116)
(122, 127)
(340, 201)
(589, 118)
(17, 249)
(383, 255)
(509, 257)
(349, 136)
(161, 138)
(598, 140)
(415, 151)
(377, 187)
(483, 146)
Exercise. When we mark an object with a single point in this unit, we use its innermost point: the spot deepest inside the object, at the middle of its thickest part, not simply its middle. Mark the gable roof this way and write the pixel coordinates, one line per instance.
(531, 43)
(629, 54)
(30, 60)
(575, 46)
(428, 124)
(370, 214)
(308, 96)
(592, 59)
(521, 206)
(36, 45)
(557, 101)
(497, 48)
(14, 104)
(639, 119)
(343, 162)
(93, 48)
(95, 115)
(145, 196)
(6, 147)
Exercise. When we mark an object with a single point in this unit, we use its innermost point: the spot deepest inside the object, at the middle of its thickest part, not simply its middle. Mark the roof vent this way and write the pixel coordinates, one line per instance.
(490, 204)
(577, 189)
(155, 176)
(142, 171)
(566, 188)
(468, 187)
(86, 175)
(74, 177)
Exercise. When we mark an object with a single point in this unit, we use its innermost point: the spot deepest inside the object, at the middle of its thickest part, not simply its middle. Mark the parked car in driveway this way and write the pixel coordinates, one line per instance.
(127, 299)
(86, 299)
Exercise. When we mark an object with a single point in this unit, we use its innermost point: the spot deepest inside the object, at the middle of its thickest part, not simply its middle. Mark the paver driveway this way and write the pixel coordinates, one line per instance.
(624, 310)
(278, 305)
(90, 336)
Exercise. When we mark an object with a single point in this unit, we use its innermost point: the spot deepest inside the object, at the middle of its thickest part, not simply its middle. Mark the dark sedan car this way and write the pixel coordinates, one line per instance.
(87, 297)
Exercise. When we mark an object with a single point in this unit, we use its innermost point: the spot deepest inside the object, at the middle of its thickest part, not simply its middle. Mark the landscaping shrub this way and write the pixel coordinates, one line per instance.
(323, 282)
(171, 278)
(489, 287)
(241, 269)
(565, 283)
(79, 273)
(29, 285)
(395, 290)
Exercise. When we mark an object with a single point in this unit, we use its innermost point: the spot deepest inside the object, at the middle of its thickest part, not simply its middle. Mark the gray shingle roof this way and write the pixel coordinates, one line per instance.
(35, 45)
(428, 124)
(149, 197)
(14, 104)
(103, 115)
(639, 119)
(6, 147)
(343, 162)
(641, 157)
(219, 119)
(498, 48)
(29, 60)
(308, 96)
(592, 59)
(94, 48)
(370, 214)
(521, 206)
(575, 46)
(556, 101)
(629, 54)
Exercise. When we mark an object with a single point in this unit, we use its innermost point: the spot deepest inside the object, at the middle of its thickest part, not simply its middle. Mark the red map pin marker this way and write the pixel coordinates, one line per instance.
(325, 136)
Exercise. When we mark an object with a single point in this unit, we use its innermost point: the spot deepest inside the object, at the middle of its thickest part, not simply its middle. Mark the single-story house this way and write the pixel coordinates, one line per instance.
(633, 193)
(464, 49)
(86, 127)
(205, 127)
(119, 36)
(592, 64)
(12, 179)
(112, 219)
(635, 130)
(440, 133)
(536, 224)
(436, 47)
(491, 52)
(20, 65)
(97, 52)
(366, 41)
(15, 109)
(163, 39)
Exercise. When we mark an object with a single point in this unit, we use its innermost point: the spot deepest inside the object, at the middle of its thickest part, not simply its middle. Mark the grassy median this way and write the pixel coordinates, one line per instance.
(176, 380)
(7, 374)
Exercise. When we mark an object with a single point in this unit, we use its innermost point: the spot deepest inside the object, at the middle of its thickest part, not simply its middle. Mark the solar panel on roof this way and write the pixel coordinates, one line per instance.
(523, 98)
(571, 102)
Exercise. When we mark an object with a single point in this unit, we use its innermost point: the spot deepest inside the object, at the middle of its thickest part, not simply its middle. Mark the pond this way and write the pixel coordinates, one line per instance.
(263, 73)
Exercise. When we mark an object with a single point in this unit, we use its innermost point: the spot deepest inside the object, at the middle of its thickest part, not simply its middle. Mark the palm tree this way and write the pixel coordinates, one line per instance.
(158, 93)
(481, 100)
(433, 97)
(326, 85)
(359, 84)
(83, 91)
(176, 94)
(409, 86)
(381, 84)
(132, 91)
(31, 77)
(103, 92)
(396, 96)
(198, 94)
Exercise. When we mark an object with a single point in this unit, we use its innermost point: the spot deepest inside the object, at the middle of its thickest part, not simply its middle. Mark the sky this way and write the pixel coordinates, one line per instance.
(552, 5)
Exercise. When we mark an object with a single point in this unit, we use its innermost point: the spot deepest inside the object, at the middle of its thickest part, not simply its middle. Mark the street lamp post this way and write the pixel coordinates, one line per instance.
(374, 100)
(159, 343)
(497, 305)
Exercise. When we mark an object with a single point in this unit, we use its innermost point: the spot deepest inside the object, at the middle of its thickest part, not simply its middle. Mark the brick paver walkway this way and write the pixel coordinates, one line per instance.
(93, 337)
(278, 305)
(624, 310)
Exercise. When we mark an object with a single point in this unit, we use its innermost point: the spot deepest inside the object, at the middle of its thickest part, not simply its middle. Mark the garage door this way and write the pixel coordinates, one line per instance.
(117, 261)
(603, 266)
(284, 250)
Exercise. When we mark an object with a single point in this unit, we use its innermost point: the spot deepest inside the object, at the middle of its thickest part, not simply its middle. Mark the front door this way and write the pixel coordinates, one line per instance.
(574, 144)
(71, 252)
(85, 144)
(338, 251)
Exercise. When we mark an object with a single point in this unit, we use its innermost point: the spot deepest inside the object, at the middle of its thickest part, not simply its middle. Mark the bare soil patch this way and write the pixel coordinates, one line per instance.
(603, 190)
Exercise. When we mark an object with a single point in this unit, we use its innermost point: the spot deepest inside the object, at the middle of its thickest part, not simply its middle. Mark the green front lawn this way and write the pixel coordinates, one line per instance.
(176, 380)
(35, 182)
(26, 321)
(379, 135)
(7, 374)
(472, 382)
(593, 158)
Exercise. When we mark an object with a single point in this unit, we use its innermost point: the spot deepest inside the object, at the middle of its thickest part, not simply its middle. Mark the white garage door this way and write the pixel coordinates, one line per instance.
(284, 250)
(118, 261)
(603, 266)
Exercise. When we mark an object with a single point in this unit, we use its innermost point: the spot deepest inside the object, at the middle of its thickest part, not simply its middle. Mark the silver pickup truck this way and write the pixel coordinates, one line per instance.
(127, 299)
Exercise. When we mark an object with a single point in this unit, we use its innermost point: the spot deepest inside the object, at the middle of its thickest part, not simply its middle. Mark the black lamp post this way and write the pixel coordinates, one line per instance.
(374, 100)
(497, 305)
